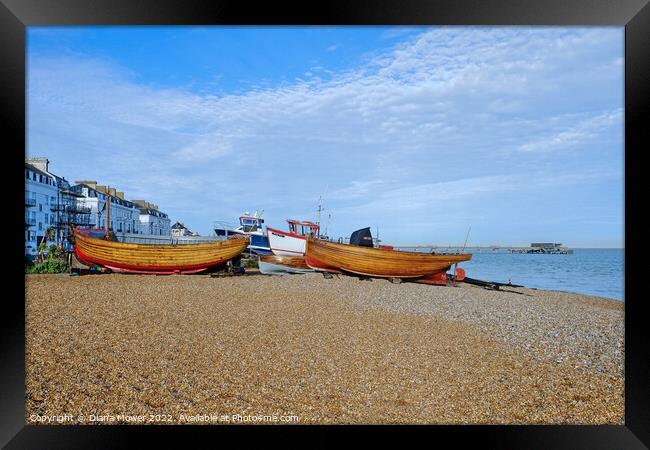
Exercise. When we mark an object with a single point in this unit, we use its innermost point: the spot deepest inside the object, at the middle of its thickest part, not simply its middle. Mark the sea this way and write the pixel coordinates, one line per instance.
(590, 271)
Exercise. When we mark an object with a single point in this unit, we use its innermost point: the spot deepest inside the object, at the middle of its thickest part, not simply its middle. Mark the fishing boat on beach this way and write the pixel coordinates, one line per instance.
(292, 242)
(360, 257)
(276, 265)
(155, 258)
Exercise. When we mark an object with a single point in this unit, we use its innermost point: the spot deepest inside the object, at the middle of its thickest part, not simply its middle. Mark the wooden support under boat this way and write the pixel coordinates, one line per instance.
(374, 262)
(156, 258)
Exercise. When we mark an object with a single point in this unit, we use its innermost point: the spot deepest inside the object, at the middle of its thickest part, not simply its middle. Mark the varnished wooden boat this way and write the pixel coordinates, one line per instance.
(375, 262)
(152, 258)
(274, 264)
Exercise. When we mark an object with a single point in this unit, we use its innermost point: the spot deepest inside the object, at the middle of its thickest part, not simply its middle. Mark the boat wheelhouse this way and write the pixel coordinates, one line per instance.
(292, 242)
(249, 225)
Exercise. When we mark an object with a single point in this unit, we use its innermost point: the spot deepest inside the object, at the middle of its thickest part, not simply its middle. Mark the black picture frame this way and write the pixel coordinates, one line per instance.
(16, 15)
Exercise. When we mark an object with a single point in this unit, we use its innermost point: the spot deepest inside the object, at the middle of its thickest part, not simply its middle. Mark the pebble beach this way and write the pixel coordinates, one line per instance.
(309, 350)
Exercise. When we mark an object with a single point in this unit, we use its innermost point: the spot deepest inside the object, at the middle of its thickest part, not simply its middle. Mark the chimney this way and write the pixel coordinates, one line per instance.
(89, 183)
(113, 191)
(101, 188)
(40, 163)
(120, 195)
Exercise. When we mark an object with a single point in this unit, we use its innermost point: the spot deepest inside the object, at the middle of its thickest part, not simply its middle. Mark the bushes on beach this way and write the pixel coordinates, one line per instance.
(48, 261)
(50, 265)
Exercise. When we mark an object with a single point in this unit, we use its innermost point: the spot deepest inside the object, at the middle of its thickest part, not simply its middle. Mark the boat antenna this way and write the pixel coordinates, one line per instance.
(464, 245)
(329, 216)
(320, 208)
(467, 237)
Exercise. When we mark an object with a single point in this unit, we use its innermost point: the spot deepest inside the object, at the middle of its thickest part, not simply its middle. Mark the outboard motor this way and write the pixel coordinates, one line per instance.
(362, 238)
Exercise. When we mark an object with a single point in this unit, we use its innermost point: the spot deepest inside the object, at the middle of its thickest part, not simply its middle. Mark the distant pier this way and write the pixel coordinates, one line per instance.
(540, 248)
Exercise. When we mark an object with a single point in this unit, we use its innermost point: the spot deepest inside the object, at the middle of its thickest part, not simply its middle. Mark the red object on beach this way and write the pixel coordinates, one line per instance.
(439, 279)
(460, 274)
(386, 247)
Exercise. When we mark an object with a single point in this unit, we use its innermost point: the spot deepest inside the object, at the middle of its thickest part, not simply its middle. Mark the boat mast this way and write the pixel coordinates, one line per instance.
(467, 237)
(320, 208)
(108, 212)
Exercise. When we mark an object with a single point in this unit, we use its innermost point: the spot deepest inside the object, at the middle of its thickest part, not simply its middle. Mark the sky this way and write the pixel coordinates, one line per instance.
(417, 132)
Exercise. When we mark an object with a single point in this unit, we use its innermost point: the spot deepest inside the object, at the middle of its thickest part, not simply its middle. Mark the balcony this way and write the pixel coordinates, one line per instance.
(30, 202)
(71, 209)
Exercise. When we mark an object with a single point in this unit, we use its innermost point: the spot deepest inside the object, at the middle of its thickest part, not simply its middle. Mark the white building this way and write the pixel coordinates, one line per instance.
(153, 221)
(124, 214)
(179, 230)
(60, 212)
(40, 195)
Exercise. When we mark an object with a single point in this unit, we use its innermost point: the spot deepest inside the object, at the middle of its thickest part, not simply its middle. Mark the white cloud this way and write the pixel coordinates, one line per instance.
(578, 133)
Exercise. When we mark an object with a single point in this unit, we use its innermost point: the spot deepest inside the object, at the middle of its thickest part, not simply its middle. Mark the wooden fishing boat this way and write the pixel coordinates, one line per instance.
(274, 264)
(154, 258)
(377, 262)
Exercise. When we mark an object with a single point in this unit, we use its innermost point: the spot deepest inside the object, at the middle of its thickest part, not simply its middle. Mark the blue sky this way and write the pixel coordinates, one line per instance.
(419, 131)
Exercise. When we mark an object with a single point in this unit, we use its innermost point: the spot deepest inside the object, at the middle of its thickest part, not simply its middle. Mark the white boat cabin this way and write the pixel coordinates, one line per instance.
(250, 224)
(306, 228)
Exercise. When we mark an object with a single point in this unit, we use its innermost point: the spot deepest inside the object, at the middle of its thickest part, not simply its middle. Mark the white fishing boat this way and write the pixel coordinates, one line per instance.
(292, 242)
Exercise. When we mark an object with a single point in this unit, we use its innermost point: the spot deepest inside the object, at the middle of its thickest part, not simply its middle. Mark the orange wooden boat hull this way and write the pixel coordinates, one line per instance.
(374, 262)
(152, 258)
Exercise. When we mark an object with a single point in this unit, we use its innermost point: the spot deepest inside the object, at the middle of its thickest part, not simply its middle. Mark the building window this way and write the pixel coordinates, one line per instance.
(40, 178)
(40, 207)
(47, 218)
(40, 226)
(34, 176)
(27, 174)
(53, 200)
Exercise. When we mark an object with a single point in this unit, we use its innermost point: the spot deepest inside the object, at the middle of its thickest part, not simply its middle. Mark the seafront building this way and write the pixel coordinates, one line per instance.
(40, 192)
(153, 221)
(53, 206)
(124, 213)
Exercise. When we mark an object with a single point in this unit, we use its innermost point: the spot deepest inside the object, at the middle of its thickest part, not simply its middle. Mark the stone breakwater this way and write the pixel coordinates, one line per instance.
(305, 349)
